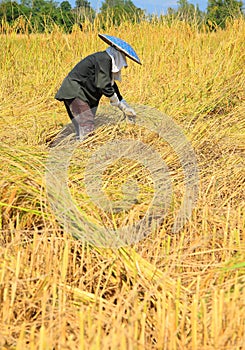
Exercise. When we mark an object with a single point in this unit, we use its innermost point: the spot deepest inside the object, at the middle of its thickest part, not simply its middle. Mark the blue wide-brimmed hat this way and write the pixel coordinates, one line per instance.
(120, 45)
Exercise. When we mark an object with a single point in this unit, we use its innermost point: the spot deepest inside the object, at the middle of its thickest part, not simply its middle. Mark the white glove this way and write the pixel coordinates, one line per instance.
(127, 110)
(124, 107)
(114, 100)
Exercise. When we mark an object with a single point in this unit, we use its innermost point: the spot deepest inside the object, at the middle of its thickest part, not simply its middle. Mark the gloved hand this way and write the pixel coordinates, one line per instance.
(127, 110)
(124, 107)
(114, 100)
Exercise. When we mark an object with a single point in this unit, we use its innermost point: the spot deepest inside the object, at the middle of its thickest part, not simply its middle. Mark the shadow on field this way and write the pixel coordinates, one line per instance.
(110, 117)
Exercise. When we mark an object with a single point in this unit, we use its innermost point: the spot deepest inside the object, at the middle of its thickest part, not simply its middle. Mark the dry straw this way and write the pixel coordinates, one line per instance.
(183, 291)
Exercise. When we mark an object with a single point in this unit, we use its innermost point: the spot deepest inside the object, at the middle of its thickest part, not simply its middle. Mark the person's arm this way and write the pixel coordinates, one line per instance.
(124, 107)
(116, 89)
(103, 81)
(117, 101)
(103, 75)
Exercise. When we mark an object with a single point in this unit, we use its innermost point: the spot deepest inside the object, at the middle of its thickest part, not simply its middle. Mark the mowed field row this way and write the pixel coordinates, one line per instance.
(169, 291)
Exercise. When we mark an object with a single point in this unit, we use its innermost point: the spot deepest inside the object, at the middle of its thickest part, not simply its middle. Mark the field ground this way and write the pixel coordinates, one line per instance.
(169, 291)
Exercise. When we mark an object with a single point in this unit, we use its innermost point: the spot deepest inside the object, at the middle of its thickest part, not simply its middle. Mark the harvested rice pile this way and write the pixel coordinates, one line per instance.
(161, 290)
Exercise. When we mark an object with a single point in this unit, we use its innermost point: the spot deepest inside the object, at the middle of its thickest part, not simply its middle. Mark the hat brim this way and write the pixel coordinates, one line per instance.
(109, 41)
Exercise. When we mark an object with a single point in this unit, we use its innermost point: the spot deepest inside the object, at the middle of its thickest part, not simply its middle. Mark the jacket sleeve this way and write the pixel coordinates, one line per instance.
(115, 87)
(103, 77)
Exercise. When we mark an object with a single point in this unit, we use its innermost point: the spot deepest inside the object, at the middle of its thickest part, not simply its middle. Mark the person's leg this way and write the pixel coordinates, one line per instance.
(74, 122)
(81, 116)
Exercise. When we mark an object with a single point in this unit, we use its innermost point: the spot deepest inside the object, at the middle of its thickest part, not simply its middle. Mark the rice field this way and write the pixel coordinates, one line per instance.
(170, 291)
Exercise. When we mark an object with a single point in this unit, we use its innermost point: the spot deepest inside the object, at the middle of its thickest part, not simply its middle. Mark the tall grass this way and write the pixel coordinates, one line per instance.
(183, 291)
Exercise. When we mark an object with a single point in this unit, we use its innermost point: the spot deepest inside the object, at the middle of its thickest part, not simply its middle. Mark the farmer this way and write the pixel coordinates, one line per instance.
(93, 77)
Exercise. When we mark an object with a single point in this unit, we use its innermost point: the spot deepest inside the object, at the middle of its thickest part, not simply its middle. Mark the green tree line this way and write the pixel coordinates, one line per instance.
(42, 15)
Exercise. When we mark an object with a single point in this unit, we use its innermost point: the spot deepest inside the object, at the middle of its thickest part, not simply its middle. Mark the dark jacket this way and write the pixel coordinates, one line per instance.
(89, 80)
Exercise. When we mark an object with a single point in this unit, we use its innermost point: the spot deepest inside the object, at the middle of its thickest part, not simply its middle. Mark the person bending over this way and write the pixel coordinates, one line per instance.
(93, 77)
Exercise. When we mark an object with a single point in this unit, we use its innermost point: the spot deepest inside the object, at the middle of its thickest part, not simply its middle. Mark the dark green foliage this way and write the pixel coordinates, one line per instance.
(186, 12)
(43, 15)
(9, 11)
(40, 15)
(83, 11)
(116, 11)
(83, 3)
(219, 11)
